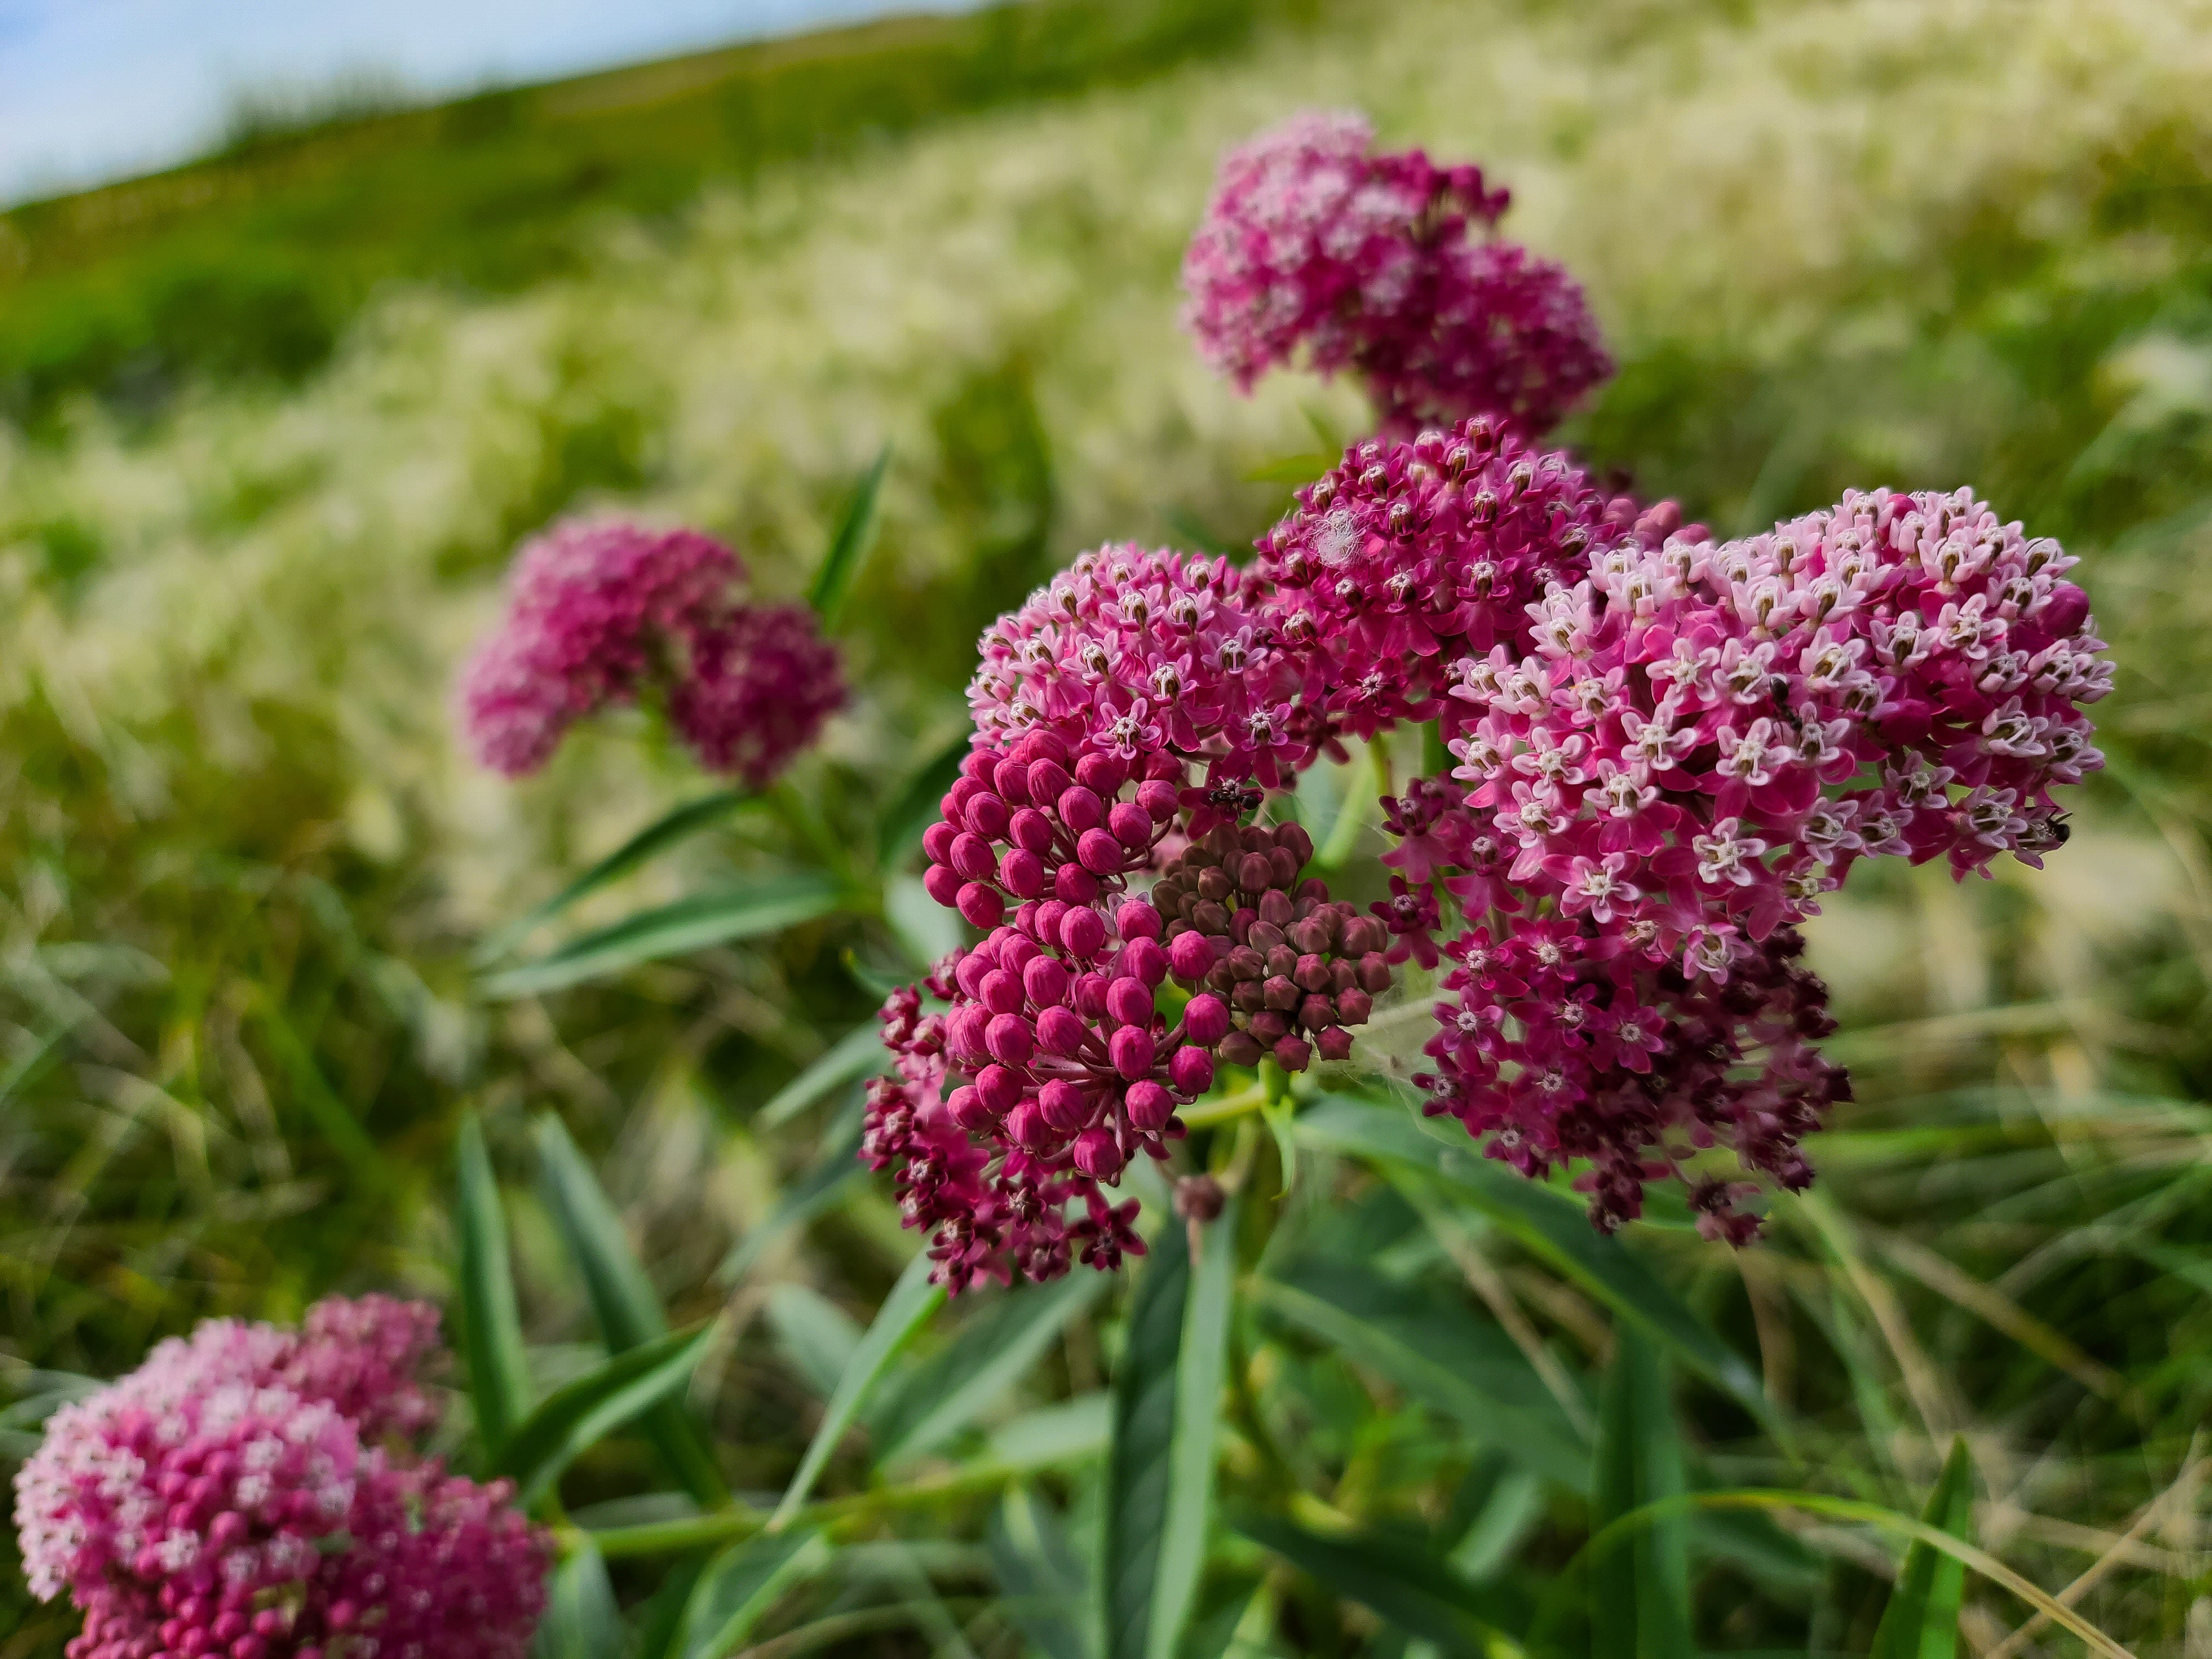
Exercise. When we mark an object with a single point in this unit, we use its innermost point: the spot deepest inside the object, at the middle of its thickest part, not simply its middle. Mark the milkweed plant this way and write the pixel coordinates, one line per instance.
(1617, 762)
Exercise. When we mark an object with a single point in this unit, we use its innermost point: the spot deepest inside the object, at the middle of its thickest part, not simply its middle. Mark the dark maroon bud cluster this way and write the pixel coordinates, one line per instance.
(1290, 971)
(1030, 825)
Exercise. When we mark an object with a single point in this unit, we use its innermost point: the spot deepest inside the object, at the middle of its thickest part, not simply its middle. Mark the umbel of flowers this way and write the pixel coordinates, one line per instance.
(604, 611)
(1664, 748)
(1315, 246)
(252, 1493)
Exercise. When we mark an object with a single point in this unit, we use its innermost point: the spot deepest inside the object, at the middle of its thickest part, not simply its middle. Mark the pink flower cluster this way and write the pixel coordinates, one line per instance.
(1313, 241)
(603, 611)
(247, 1493)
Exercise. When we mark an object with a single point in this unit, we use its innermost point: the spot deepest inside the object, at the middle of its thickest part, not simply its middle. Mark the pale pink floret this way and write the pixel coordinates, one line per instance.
(227, 1498)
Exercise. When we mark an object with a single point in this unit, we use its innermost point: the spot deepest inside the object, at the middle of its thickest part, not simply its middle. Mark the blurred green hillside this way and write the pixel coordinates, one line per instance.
(276, 421)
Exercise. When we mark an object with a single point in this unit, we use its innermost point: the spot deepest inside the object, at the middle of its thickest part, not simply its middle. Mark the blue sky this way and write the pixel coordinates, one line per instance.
(97, 89)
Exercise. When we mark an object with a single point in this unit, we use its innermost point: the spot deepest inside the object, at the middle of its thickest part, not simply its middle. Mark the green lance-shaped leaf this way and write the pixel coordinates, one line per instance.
(910, 1303)
(1548, 1224)
(746, 910)
(1639, 1589)
(1040, 1576)
(1922, 1618)
(581, 1620)
(815, 1335)
(1394, 1576)
(678, 823)
(1140, 1458)
(849, 545)
(623, 1298)
(491, 1329)
(1159, 1464)
(914, 807)
(578, 1415)
(992, 1352)
(660, 1619)
(740, 1587)
(816, 1191)
(1428, 1344)
(859, 1053)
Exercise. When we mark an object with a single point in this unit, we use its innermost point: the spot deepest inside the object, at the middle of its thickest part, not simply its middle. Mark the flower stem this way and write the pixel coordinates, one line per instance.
(1251, 1098)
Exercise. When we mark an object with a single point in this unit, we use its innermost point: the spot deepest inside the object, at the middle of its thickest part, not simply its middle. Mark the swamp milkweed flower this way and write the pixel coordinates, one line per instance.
(606, 612)
(252, 1493)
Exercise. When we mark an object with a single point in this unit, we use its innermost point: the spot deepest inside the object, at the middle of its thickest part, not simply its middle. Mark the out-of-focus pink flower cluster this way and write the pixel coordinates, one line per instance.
(1315, 241)
(604, 611)
(249, 1493)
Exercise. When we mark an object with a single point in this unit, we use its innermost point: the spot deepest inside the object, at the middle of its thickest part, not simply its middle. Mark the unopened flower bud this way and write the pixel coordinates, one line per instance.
(1239, 1048)
(1130, 824)
(1143, 958)
(1292, 1055)
(1353, 1007)
(936, 841)
(1073, 884)
(1191, 1070)
(966, 1108)
(1001, 992)
(979, 906)
(1100, 854)
(1061, 1031)
(988, 815)
(1317, 1013)
(1150, 1105)
(1010, 1039)
(1199, 1198)
(1046, 980)
(1190, 955)
(1270, 1025)
(1206, 1019)
(1098, 1155)
(1082, 934)
(1103, 774)
(1063, 1104)
(942, 882)
(1027, 1127)
(1080, 809)
(1374, 973)
(1279, 993)
(1335, 1043)
(1129, 1001)
(998, 1088)
(1254, 873)
(1158, 798)
(1132, 1051)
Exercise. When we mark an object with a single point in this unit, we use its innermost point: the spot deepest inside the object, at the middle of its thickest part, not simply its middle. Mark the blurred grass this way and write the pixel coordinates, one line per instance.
(1845, 243)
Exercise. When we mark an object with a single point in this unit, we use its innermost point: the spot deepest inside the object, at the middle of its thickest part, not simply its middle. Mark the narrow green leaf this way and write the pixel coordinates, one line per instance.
(621, 1297)
(695, 923)
(1199, 1368)
(741, 1584)
(578, 1414)
(1440, 1354)
(849, 545)
(911, 1302)
(580, 1620)
(914, 807)
(1392, 1574)
(1073, 1432)
(1040, 1577)
(1639, 1590)
(491, 1329)
(331, 1116)
(1546, 1223)
(814, 1333)
(816, 1191)
(660, 1619)
(663, 833)
(992, 1352)
(1922, 1618)
(1139, 1457)
(859, 1053)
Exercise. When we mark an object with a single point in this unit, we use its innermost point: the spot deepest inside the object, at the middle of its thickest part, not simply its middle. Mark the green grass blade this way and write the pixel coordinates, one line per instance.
(819, 1189)
(491, 1329)
(1140, 1458)
(623, 1298)
(663, 832)
(1199, 1370)
(910, 1303)
(660, 1620)
(581, 1620)
(849, 545)
(1391, 1574)
(331, 1116)
(859, 1053)
(741, 1585)
(1922, 1618)
(1440, 1354)
(814, 1334)
(914, 808)
(578, 1415)
(1040, 1577)
(1548, 1224)
(703, 920)
(992, 1352)
(1639, 1591)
